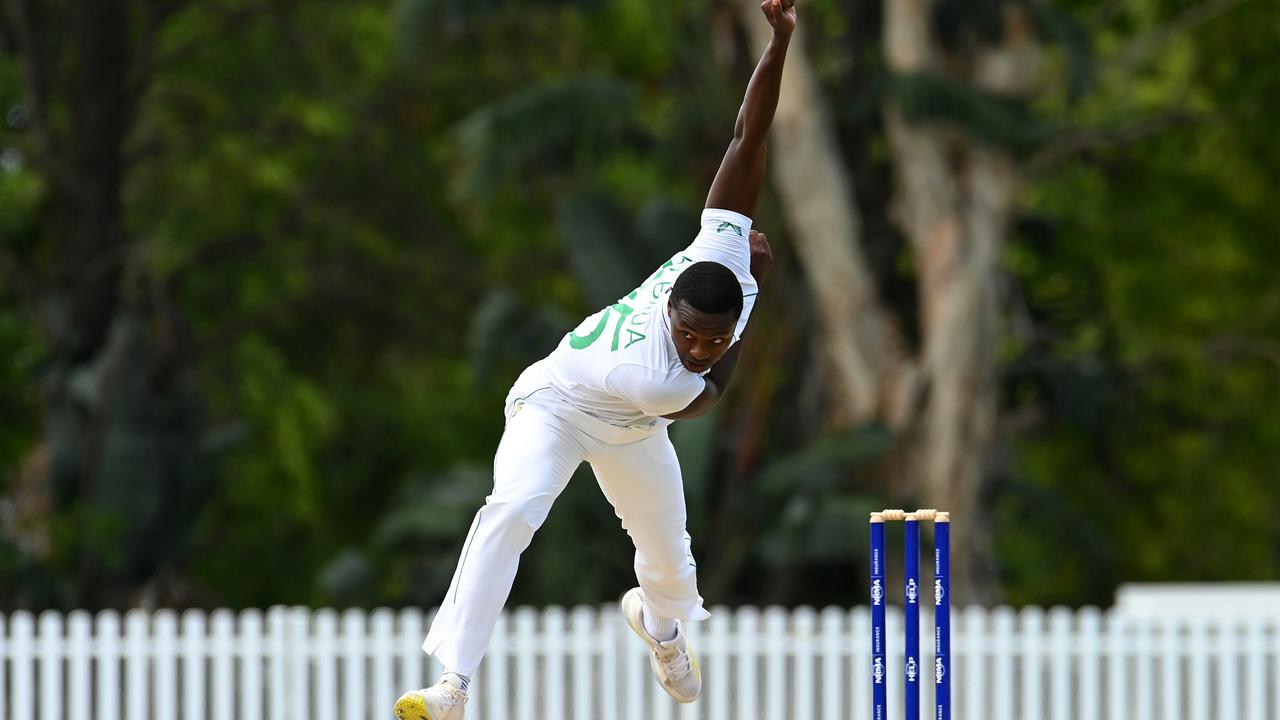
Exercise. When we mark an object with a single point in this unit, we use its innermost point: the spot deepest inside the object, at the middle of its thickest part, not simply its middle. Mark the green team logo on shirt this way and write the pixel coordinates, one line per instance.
(625, 315)
(724, 225)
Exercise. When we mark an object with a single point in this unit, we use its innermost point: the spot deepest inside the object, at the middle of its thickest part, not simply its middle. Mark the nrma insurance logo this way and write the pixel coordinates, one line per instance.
(912, 670)
(877, 592)
(937, 592)
(939, 670)
(877, 670)
(913, 592)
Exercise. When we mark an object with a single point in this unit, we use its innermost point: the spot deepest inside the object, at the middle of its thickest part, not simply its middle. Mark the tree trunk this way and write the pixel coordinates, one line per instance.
(120, 435)
(954, 200)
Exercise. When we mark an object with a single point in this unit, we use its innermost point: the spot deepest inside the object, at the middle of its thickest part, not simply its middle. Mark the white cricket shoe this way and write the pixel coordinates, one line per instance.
(442, 701)
(673, 661)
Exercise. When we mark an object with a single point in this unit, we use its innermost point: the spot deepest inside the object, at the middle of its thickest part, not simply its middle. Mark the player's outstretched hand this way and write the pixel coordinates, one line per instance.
(781, 14)
(761, 255)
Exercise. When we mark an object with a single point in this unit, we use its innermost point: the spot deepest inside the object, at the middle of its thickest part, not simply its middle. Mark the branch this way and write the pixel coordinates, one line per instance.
(1232, 346)
(155, 14)
(1146, 45)
(1106, 12)
(1084, 140)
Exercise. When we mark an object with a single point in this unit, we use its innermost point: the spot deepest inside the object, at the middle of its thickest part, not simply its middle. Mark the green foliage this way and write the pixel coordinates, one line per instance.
(505, 140)
(1159, 376)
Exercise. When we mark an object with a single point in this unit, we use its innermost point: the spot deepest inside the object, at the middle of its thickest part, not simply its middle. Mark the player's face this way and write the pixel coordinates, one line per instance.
(700, 338)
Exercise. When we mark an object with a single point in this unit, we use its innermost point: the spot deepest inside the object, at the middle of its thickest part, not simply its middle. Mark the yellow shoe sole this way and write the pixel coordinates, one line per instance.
(411, 706)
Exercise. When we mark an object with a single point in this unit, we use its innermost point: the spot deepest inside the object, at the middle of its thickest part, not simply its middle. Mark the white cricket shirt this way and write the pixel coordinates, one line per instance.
(619, 366)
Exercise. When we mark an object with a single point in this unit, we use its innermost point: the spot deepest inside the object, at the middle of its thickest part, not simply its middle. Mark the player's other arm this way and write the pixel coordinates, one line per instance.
(717, 380)
(737, 183)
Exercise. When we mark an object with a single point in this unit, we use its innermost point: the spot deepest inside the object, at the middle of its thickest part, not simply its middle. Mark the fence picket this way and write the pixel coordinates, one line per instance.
(553, 633)
(1198, 677)
(1002, 628)
(107, 704)
(137, 633)
(1117, 667)
(526, 645)
(499, 660)
(1031, 633)
(1274, 652)
(1170, 672)
(223, 661)
(717, 666)
(4, 689)
(1089, 660)
(277, 642)
(583, 631)
(383, 646)
(353, 665)
(747, 635)
(251, 634)
(1227, 671)
(1255, 664)
(805, 646)
(634, 669)
(49, 650)
(193, 665)
(297, 687)
(79, 659)
(325, 647)
(775, 657)
(1058, 654)
(1144, 659)
(833, 650)
(860, 667)
(164, 691)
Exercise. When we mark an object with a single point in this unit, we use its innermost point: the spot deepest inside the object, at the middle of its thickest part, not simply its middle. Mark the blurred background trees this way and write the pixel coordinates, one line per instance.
(268, 268)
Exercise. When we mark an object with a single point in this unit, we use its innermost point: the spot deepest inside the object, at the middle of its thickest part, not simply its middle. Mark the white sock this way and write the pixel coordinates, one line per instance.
(659, 628)
(457, 680)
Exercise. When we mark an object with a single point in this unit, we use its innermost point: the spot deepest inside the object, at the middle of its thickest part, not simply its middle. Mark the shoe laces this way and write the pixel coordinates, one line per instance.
(452, 695)
(675, 658)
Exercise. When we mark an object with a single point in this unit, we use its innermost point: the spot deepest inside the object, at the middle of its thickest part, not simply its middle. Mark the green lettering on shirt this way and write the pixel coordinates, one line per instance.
(635, 337)
(581, 342)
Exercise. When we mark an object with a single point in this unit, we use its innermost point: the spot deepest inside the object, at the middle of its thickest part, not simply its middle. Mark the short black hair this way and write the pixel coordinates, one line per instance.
(708, 287)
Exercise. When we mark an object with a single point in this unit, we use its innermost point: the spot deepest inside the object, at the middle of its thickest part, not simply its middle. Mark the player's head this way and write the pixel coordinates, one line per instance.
(705, 303)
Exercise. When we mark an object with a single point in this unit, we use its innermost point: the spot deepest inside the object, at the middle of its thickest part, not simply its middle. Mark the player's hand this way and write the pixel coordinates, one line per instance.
(761, 255)
(781, 15)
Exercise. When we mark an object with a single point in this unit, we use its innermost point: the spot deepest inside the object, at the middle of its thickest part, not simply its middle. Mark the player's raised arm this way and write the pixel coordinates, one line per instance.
(741, 173)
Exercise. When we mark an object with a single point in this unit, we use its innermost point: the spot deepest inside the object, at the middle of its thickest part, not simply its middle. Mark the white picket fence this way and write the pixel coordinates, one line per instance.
(583, 664)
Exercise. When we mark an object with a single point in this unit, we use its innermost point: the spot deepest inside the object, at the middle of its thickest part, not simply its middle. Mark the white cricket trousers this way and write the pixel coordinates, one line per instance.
(538, 453)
